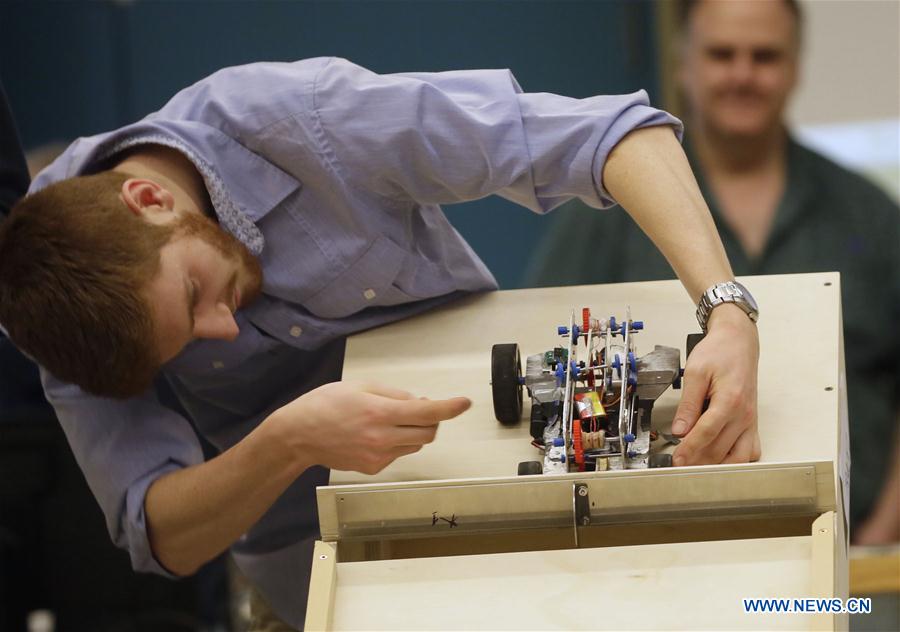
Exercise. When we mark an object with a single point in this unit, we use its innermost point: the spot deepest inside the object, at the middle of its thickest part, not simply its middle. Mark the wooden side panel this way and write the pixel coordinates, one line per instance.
(322, 584)
(696, 586)
(822, 567)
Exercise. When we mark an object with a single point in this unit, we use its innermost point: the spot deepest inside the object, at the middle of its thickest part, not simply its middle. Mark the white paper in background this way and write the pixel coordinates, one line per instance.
(869, 147)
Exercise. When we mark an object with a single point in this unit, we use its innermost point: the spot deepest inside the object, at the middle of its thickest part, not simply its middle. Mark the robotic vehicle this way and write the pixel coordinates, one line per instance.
(591, 396)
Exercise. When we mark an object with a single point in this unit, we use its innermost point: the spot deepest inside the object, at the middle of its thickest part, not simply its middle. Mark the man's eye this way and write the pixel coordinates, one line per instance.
(720, 54)
(766, 56)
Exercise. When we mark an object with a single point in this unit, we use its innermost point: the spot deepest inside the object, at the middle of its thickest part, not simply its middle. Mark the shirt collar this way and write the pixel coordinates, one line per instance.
(798, 191)
(243, 186)
(794, 203)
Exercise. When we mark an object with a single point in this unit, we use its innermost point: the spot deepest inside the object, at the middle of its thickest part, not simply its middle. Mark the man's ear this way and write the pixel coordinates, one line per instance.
(146, 197)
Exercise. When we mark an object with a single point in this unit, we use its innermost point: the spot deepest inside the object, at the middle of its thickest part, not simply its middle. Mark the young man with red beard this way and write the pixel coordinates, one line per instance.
(228, 243)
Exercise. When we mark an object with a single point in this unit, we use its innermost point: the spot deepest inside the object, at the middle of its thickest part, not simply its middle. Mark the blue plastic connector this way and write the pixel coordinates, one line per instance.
(632, 363)
(632, 454)
(574, 369)
(617, 365)
(638, 324)
(558, 442)
(562, 330)
(612, 323)
(576, 331)
(522, 380)
(629, 438)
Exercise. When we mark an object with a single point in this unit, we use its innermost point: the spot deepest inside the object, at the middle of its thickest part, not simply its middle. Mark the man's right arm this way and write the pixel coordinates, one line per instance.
(172, 511)
(195, 513)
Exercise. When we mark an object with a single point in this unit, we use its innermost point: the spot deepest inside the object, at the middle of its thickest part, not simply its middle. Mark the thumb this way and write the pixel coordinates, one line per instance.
(696, 385)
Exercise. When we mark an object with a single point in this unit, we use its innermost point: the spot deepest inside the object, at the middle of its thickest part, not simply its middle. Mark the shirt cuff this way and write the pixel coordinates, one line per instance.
(133, 536)
(637, 116)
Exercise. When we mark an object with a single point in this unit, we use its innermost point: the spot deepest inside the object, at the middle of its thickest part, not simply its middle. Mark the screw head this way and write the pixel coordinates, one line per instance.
(323, 557)
(582, 491)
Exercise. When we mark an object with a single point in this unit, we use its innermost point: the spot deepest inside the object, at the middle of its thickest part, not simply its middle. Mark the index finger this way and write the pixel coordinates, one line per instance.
(703, 434)
(427, 412)
(386, 391)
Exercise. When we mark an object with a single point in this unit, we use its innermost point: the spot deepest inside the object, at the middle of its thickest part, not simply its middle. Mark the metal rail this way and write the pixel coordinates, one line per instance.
(460, 507)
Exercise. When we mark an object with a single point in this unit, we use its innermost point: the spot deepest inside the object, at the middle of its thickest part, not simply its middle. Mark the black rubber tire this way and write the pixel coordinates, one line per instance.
(530, 468)
(661, 459)
(692, 340)
(506, 369)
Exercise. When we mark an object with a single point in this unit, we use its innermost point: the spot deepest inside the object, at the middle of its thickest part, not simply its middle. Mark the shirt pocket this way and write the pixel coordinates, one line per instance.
(367, 282)
(218, 357)
(420, 278)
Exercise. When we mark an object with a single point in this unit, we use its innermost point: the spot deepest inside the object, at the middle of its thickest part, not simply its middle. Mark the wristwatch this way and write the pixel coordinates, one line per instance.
(728, 292)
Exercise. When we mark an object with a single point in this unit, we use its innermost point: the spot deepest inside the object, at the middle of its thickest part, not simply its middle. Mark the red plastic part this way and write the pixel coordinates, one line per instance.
(576, 444)
(586, 319)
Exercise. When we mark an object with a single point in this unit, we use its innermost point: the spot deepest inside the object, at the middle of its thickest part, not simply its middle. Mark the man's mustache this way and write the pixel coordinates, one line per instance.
(739, 93)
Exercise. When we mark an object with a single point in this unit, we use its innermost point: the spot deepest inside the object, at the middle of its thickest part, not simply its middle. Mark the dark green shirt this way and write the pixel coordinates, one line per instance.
(828, 219)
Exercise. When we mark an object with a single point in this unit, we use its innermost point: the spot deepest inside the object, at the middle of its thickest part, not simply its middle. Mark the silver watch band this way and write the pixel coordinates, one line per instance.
(727, 292)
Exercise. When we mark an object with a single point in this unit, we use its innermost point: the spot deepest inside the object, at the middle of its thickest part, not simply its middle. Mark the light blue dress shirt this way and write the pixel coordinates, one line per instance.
(334, 176)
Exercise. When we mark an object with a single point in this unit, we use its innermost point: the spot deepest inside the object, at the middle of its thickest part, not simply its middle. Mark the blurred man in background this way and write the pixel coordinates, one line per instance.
(779, 208)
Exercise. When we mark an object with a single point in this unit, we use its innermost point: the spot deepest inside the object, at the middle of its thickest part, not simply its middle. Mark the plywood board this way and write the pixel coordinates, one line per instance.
(665, 586)
(447, 352)
(322, 588)
(688, 585)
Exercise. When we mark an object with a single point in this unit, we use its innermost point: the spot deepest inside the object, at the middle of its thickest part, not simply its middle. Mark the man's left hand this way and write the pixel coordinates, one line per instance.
(723, 369)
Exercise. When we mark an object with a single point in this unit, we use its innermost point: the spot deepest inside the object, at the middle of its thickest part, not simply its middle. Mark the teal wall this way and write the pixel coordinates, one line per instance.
(80, 67)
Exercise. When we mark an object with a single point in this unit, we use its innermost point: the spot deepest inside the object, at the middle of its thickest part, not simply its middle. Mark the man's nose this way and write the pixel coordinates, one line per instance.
(216, 322)
(742, 68)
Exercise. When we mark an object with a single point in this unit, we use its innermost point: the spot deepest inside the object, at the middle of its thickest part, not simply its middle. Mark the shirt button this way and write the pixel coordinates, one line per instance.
(218, 364)
(295, 331)
(369, 294)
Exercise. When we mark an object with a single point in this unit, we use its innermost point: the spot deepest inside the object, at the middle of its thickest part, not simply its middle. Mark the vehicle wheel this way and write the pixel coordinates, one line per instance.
(660, 459)
(692, 340)
(506, 369)
(528, 468)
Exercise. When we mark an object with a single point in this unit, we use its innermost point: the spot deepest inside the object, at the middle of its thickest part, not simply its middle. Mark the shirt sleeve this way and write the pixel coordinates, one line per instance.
(122, 446)
(456, 136)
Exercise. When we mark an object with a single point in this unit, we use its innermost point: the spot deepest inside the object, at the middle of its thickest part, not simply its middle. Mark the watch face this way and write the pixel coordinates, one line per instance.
(748, 297)
(728, 292)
